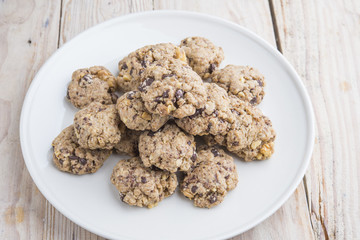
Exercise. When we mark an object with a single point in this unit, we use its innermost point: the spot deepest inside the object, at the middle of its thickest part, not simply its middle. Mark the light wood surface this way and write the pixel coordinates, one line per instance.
(320, 39)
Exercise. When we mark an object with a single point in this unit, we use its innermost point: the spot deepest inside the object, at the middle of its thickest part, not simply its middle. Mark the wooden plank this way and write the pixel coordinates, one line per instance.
(321, 39)
(28, 36)
(76, 17)
(291, 221)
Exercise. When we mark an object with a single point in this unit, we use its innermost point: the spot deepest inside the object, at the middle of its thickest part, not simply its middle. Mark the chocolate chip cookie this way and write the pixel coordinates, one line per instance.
(133, 113)
(129, 141)
(215, 118)
(97, 126)
(132, 67)
(169, 149)
(141, 186)
(209, 180)
(245, 82)
(94, 84)
(172, 88)
(203, 56)
(70, 157)
(251, 136)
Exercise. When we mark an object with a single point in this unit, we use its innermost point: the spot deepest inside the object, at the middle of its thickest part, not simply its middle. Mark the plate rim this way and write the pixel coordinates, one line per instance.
(310, 117)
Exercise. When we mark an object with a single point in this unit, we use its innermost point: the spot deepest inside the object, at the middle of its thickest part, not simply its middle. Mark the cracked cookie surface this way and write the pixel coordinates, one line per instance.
(141, 186)
(94, 84)
(97, 126)
(70, 157)
(245, 82)
(209, 180)
(203, 56)
(169, 149)
(135, 116)
(172, 88)
(215, 118)
(132, 67)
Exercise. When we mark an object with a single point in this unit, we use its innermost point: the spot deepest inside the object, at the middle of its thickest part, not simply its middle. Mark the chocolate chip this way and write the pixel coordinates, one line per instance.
(85, 119)
(158, 99)
(227, 176)
(167, 75)
(260, 83)
(143, 63)
(87, 78)
(145, 83)
(212, 68)
(209, 127)
(122, 196)
(130, 95)
(143, 179)
(215, 152)
(193, 189)
(193, 157)
(124, 66)
(135, 116)
(131, 71)
(179, 94)
(236, 143)
(189, 143)
(141, 71)
(212, 198)
(252, 101)
(184, 41)
(61, 161)
(200, 194)
(72, 157)
(197, 112)
(166, 94)
(83, 161)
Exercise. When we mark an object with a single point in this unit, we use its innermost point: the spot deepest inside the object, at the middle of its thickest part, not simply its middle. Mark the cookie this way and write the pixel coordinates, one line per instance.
(168, 149)
(172, 88)
(70, 157)
(209, 180)
(215, 118)
(132, 67)
(252, 136)
(133, 113)
(129, 141)
(203, 56)
(245, 82)
(95, 84)
(141, 186)
(97, 126)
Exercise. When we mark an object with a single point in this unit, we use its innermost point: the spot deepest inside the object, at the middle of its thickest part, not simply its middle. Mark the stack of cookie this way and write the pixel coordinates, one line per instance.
(167, 100)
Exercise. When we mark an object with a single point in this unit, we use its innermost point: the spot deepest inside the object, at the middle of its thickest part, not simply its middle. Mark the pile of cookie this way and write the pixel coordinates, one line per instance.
(169, 95)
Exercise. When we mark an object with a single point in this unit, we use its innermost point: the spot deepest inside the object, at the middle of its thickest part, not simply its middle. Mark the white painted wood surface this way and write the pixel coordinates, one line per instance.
(321, 40)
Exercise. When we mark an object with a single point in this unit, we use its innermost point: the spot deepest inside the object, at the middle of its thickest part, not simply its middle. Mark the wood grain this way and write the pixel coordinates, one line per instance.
(28, 36)
(322, 41)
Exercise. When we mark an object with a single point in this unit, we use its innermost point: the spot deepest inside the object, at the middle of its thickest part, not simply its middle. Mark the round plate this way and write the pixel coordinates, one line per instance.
(92, 202)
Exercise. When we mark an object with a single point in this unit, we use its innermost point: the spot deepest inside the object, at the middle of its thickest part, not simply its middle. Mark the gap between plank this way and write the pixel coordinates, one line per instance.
(59, 33)
(275, 26)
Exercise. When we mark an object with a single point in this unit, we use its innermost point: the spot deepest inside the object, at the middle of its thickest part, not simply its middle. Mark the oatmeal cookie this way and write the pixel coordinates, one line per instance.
(215, 118)
(168, 149)
(129, 141)
(70, 157)
(97, 126)
(172, 88)
(141, 186)
(132, 67)
(209, 180)
(251, 136)
(203, 56)
(133, 113)
(95, 84)
(245, 82)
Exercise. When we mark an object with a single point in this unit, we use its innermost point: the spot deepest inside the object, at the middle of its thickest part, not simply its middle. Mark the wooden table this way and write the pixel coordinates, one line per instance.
(320, 38)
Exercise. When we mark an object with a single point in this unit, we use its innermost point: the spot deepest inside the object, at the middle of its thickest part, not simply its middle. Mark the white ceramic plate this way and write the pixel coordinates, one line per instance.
(93, 203)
